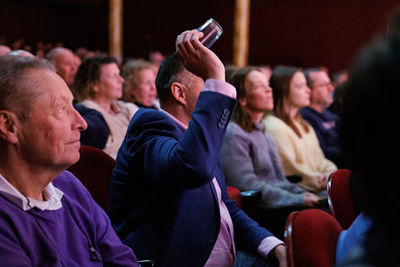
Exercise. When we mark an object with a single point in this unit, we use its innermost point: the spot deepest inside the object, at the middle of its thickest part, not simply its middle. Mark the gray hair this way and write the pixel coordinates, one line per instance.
(16, 93)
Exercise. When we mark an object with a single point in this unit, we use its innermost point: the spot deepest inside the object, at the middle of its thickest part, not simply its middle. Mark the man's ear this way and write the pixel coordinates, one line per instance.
(8, 126)
(178, 91)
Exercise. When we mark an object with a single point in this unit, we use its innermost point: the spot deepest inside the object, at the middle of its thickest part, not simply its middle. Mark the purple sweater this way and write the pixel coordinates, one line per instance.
(78, 234)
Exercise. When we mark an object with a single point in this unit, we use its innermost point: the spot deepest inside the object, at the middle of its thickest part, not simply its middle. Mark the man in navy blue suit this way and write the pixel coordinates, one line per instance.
(168, 195)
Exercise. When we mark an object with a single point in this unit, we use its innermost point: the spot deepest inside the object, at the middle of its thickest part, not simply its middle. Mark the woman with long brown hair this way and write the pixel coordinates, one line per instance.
(295, 139)
(249, 157)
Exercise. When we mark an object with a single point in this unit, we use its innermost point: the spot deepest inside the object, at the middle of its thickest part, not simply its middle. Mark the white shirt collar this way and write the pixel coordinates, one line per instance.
(53, 196)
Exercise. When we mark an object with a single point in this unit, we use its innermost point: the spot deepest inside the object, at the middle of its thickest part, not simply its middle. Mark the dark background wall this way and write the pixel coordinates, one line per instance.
(300, 32)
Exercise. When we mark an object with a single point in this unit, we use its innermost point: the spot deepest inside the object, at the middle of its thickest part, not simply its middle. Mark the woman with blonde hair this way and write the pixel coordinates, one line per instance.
(139, 85)
(296, 141)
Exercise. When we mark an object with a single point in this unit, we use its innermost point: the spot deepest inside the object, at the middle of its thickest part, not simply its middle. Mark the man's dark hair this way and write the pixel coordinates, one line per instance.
(167, 74)
(307, 73)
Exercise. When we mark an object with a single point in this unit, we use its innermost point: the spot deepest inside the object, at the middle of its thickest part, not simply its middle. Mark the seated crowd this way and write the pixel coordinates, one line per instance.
(180, 133)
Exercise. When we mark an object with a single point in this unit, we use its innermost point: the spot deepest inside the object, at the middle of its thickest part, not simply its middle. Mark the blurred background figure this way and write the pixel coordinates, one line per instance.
(156, 57)
(296, 141)
(339, 77)
(65, 62)
(267, 70)
(4, 49)
(229, 70)
(319, 117)
(98, 85)
(369, 104)
(139, 85)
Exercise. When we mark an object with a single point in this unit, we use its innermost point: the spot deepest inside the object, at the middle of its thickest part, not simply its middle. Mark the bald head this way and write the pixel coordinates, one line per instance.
(20, 52)
(66, 63)
(4, 50)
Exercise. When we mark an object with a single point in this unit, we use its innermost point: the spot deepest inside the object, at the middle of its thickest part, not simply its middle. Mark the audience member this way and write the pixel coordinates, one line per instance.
(267, 70)
(295, 139)
(139, 85)
(156, 57)
(229, 69)
(4, 50)
(168, 194)
(339, 77)
(336, 106)
(97, 131)
(17, 44)
(65, 62)
(370, 102)
(47, 217)
(322, 120)
(249, 157)
(98, 85)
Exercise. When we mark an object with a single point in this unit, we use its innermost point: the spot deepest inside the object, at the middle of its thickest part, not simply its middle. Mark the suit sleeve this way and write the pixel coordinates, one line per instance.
(248, 233)
(175, 158)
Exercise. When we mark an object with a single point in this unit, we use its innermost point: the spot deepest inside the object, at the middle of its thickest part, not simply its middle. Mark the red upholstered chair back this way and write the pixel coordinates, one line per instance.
(94, 170)
(235, 194)
(311, 237)
(340, 200)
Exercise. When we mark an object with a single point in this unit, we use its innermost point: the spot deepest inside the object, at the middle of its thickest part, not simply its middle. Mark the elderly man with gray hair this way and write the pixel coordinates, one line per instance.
(47, 217)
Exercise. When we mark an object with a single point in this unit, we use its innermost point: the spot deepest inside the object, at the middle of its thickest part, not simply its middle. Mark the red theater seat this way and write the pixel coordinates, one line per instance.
(235, 194)
(340, 199)
(94, 170)
(311, 237)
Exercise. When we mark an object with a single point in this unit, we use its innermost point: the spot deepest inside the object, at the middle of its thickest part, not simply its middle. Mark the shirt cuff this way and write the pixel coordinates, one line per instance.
(220, 87)
(268, 244)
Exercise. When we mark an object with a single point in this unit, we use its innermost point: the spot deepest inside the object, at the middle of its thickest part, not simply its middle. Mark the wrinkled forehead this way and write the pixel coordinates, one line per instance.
(65, 56)
(46, 85)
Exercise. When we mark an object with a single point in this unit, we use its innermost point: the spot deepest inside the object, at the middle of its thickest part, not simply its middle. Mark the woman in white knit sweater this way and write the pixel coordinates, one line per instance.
(295, 139)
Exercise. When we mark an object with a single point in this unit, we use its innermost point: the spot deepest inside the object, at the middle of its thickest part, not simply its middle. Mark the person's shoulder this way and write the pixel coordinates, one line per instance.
(234, 131)
(68, 182)
(330, 115)
(127, 108)
(131, 106)
(123, 104)
(273, 122)
(148, 118)
(233, 128)
(149, 114)
(309, 113)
